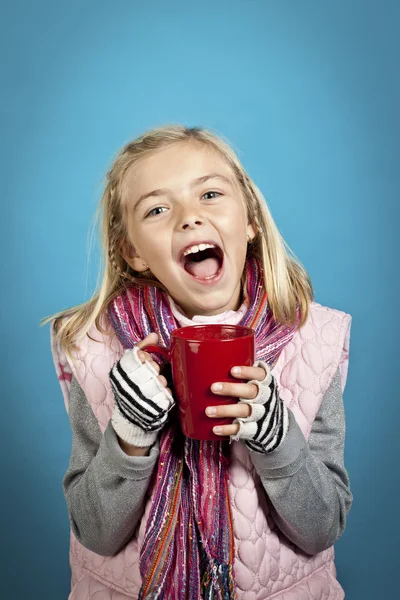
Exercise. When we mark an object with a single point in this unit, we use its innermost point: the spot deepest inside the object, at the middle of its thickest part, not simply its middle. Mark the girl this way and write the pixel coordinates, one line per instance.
(189, 239)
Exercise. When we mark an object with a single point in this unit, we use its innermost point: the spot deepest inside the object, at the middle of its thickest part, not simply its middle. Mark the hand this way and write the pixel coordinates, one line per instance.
(261, 417)
(237, 390)
(142, 398)
(144, 356)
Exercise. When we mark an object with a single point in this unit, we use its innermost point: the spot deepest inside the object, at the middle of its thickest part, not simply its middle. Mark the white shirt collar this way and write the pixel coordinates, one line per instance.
(229, 317)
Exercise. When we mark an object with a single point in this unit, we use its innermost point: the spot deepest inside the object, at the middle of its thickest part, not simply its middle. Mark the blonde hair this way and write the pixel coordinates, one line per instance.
(285, 279)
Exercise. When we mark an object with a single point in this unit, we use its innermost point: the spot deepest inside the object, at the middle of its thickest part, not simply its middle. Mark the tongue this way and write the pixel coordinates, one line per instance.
(204, 268)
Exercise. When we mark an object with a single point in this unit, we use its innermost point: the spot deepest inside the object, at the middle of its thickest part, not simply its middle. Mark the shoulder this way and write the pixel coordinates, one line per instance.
(331, 324)
(97, 345)
(329, 329)
(319, 312)
(100, 340)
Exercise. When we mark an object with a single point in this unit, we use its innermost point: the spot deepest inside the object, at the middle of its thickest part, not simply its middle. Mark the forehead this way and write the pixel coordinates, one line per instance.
(174, 168)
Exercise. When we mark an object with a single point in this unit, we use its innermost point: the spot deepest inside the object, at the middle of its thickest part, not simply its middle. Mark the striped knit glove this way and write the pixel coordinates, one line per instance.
(142, 403)
(266, 427)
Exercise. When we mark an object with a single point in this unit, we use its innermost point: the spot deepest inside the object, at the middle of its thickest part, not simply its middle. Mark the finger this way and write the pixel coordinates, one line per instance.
(152, 338)
(144, 356)
(162, 380)
(237, 390)
(257, 373)
(226, 429)
(229, 410)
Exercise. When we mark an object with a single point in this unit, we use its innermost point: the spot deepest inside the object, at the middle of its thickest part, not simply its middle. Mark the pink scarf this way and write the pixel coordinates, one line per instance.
(188, 549)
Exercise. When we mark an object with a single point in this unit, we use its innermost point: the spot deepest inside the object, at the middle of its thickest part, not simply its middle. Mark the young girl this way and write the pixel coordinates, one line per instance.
(189, 239)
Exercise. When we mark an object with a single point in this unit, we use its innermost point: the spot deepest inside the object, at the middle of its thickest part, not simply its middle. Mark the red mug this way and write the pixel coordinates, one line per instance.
(201, 355)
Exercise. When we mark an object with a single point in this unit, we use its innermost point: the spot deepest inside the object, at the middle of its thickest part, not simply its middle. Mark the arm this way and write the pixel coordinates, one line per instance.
(307, 483)
(105, 489)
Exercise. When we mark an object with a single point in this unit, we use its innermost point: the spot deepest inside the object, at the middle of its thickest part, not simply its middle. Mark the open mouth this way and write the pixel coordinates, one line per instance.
(203, 264)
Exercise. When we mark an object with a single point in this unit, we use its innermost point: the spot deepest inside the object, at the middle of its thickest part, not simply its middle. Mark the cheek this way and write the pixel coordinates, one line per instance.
(158, 254)
(236, 216)
(150, 246)
(236, 227)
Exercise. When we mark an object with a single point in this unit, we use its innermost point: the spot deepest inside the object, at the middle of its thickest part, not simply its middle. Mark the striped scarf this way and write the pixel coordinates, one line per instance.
(188, 548)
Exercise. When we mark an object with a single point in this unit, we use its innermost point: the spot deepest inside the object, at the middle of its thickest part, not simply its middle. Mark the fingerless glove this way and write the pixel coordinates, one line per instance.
(142, 403)
(266, 427)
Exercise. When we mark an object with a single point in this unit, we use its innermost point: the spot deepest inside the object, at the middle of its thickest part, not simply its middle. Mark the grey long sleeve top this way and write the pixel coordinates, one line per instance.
(305, 481)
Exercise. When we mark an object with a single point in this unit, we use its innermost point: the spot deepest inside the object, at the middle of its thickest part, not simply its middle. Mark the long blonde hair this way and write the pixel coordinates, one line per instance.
(285, 279)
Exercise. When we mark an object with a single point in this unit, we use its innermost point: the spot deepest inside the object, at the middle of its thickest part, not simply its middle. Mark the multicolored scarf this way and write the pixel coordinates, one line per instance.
(188, 549)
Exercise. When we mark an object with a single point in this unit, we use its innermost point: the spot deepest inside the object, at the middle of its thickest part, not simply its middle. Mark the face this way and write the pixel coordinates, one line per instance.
(191, 234)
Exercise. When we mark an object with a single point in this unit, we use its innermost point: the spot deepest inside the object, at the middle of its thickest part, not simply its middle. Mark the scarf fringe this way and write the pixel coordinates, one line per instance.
(218, 583)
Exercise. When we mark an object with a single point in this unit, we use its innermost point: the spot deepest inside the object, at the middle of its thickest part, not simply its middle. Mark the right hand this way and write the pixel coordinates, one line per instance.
(142, 397)
(152, 339)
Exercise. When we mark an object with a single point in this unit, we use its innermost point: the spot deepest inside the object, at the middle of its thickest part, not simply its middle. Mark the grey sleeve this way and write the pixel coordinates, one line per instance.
(306, 483)
(105, 489)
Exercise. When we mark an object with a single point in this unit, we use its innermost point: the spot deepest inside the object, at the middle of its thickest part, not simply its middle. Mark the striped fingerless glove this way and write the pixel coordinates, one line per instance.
(142, 403)
(266, 427)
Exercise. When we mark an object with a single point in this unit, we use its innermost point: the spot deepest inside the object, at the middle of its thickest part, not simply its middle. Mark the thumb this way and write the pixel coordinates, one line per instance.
(152, 338)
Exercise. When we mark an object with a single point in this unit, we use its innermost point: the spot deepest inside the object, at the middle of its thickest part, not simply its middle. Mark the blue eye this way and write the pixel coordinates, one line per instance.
(211, 193)
(153, 212)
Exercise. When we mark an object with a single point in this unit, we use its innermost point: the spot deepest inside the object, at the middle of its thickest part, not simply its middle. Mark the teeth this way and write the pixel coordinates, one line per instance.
(198, 248)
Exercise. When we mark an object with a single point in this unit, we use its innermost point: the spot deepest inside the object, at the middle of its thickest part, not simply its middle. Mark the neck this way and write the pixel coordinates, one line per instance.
(234, 305)
(229, 317)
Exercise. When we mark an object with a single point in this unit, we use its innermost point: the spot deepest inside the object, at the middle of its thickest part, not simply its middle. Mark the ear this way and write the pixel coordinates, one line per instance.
(130, 256)
(251, 232)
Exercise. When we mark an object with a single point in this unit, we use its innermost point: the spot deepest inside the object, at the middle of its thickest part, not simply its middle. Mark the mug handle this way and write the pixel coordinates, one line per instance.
(158, 350)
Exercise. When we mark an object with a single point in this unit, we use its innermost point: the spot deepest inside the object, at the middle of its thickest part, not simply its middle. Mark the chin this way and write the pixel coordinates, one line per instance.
(214, 306)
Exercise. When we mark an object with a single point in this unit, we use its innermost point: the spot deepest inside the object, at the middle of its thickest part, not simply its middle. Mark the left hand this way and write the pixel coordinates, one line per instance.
(237, 390)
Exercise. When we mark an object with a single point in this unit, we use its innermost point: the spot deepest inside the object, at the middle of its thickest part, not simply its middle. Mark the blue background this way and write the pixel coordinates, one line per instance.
(308, 94)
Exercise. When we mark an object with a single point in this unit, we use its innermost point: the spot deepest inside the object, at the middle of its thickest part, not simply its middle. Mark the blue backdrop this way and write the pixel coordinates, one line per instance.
(308, 94)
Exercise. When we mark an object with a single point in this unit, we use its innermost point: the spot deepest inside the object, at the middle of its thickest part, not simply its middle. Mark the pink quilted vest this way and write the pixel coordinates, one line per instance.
(267, 564)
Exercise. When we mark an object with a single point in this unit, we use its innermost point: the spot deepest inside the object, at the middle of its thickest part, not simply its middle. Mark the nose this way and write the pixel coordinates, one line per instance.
(190, 220)
(192, 223)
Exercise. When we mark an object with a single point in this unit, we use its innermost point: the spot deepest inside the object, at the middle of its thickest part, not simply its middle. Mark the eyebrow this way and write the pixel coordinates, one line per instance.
(193, 184)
